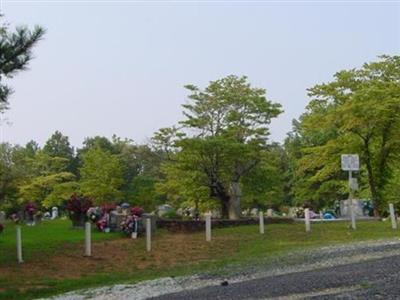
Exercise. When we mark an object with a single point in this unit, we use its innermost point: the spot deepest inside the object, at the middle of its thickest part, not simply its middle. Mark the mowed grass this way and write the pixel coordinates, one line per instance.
(54, 261)
(41, 239)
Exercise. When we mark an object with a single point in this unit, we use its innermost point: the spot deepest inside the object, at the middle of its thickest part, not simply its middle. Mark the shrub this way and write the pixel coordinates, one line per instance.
(77, 207)
(171, 215)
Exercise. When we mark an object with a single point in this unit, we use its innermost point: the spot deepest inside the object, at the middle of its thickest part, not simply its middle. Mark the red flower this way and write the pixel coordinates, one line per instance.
(78, 205)
(137, 211)
(108, 207)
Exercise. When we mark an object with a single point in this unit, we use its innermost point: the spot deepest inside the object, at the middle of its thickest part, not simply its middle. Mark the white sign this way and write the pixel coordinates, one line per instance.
(350, 162)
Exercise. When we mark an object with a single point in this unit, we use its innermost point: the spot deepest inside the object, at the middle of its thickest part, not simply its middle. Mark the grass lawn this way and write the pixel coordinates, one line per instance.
(54, 261)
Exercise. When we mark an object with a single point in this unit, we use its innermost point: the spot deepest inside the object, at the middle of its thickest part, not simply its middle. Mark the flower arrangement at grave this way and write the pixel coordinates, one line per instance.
(94, 214)
(132, 222)
(77, 207)
(103, 224)
(15, 218)
(30, 211)
(108, 207)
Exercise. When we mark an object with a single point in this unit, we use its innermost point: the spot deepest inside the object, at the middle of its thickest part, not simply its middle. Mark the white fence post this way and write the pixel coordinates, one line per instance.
(19, 245)
(208, 227)
(88, 239)
(352, 215)
(307, 219)
(392, 216)
(148, 234)
(261, 222)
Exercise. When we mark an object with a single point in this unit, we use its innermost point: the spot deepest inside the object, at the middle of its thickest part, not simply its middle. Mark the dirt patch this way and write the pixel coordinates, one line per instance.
(120, 255)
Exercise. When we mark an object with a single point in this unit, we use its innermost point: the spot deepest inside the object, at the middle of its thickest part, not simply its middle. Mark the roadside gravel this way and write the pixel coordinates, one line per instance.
(317, 266)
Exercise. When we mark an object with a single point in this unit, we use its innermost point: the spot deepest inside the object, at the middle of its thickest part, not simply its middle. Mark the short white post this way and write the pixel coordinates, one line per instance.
(352, 215)
(392, 216)
(208, 227)
(307, 219)
(261, 222)
(19, 245)
(88, 239)
(148, 234)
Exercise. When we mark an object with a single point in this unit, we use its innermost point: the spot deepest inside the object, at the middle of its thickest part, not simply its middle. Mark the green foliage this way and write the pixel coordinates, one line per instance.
(228, 122)
(16, 52)
(42, 187)
(58, 146)
(171, 215)
(143, 193)
(101, 175)
(356, 113)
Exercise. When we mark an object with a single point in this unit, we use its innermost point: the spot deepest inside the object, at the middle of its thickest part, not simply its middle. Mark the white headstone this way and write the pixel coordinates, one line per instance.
(54, 213)
(269, 212)
(2, 216)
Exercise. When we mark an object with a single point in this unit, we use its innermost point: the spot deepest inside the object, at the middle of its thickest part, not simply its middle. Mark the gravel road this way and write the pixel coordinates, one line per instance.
(373, 279)
(363, 270)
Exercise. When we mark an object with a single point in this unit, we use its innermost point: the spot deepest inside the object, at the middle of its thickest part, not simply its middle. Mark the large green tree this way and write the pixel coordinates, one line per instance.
(15, 53)
(358, 112)
(101, 175)
(226, 128)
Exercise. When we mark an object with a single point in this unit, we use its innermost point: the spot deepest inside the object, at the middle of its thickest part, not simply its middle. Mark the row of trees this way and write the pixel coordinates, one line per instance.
(106, 171)
(219, 155)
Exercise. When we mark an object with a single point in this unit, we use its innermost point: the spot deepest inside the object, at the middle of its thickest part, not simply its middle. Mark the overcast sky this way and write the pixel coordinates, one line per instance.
(119, 67)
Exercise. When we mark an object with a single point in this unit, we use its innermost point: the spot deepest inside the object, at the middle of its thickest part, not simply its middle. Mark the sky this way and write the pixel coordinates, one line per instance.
(119, 67)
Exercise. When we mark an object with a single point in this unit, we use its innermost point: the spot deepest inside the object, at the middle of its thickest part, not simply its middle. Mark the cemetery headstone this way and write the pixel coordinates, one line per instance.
(54, 213)
(2, 216)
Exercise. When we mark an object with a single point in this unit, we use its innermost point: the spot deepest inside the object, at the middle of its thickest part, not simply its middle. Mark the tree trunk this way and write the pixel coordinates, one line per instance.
(225, 209)
(234, 201)
(371, 180)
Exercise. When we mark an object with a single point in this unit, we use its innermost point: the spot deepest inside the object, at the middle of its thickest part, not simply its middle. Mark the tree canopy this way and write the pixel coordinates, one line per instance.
(16, 52)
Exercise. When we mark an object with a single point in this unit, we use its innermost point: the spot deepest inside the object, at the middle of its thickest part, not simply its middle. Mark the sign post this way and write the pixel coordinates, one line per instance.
(350, 163)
